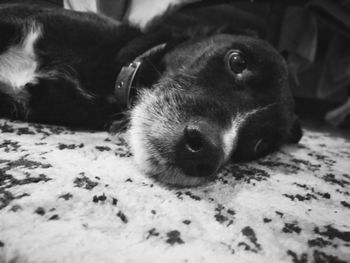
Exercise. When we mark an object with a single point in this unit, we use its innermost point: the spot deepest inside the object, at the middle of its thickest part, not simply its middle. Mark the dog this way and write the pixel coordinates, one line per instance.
(191, 104)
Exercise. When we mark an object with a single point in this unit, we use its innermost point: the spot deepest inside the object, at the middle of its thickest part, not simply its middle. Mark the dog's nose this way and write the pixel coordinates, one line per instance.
(199, 152)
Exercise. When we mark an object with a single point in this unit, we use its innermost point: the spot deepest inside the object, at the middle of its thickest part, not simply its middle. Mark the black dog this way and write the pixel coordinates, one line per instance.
(193, 104)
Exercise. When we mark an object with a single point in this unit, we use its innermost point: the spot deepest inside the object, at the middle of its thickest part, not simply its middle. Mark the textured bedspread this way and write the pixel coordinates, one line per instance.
(69, 196)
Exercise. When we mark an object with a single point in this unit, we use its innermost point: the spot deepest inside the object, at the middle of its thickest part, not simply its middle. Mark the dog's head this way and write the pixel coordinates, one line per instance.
(219, 98)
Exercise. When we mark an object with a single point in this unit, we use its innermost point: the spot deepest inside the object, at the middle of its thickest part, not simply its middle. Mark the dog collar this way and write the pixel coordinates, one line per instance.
(124, 83)
(125, 79)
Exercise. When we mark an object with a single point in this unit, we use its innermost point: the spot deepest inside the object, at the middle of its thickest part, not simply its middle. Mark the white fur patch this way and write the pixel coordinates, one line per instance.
(18, 65)
(229, 138)
(137, 139)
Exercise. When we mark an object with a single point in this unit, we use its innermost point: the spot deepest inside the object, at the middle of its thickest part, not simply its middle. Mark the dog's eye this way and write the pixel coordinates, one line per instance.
(236, 61)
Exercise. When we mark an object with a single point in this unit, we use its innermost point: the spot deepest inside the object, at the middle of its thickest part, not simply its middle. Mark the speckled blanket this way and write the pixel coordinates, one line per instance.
(69, 196)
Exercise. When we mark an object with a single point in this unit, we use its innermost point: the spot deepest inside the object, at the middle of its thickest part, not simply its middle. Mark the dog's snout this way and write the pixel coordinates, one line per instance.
(199, 151)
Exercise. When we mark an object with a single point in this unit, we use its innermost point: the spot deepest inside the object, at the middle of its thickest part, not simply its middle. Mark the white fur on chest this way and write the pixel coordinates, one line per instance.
(18, 65)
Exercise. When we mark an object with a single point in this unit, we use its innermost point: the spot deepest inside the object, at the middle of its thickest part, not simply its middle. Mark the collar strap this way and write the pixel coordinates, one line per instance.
(124, 83)
(126, 77)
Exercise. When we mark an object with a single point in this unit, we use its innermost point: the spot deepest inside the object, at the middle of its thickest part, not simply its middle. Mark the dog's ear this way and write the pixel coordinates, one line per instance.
(141, 44)
(151, 67)
(295, 132)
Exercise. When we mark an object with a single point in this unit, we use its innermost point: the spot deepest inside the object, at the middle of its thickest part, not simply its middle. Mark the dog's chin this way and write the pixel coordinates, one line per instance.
(173, 176)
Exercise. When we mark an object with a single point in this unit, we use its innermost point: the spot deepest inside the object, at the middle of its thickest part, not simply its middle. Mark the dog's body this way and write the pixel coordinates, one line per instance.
(59, 66)
(200, 103)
